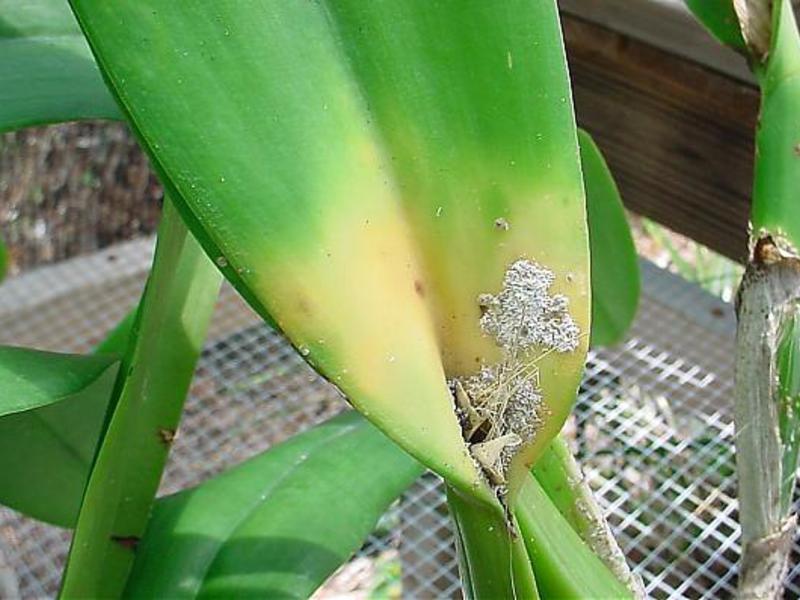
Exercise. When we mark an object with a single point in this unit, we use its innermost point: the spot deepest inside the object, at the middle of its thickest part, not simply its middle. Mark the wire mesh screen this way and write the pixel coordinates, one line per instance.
(652, 427)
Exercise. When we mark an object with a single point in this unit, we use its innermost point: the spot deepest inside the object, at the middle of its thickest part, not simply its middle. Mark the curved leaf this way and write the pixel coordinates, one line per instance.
(615, 265)
(560, 478)
(364, 172)
(564, 566)
(46, 69)
(53, 408)
(32, 378)
(277, 525)
(719, 17)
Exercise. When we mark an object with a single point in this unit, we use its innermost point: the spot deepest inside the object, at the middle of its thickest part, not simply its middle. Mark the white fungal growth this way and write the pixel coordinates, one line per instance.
(524, 314)
(501, 407)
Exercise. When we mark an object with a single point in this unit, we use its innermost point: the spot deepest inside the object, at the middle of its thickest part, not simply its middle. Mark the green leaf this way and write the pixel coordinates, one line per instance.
(52, 407)
(116, 341)
(364, 172)
(493, 562)
(32, 379)
(154, 378)
(615, 266)
(564, 566)
(277, 525)
(559, 476)
(47, 73)
(719, 17)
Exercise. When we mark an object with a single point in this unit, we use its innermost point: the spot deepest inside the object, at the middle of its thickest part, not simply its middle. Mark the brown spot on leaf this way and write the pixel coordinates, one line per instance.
(302, 305)
(167, 436)
(129, 542)
(419, 287)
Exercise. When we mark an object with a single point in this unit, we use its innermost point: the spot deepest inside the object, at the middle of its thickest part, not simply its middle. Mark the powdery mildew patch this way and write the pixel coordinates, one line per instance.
(501, 407)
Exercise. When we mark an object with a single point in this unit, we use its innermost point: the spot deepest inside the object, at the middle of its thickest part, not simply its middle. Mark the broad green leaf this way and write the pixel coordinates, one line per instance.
(52, 407)
(144, 412)
(615, 266)
(277, 525)
(493, 562)
(364, 172)
(564, 566)
(719, 17)
(47, 73)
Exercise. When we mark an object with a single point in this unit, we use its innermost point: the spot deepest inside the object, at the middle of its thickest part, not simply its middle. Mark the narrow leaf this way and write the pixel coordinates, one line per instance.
(615, 266)
(719, 17)
(561, 479)
(53, 407)
(563, 564)
(277, 525)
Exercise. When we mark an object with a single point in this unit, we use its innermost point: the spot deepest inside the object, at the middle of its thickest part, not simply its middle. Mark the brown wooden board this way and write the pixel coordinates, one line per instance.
(677, 135)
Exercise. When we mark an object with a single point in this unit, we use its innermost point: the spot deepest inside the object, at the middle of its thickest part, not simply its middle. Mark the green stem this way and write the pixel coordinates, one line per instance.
(766, 380)
(116, 341)
(153, 380)
(560, 476)
(493, 561)
(564, 565)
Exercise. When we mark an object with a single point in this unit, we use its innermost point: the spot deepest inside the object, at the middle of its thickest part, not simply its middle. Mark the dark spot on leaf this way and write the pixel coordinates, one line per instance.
(129, 542)
(303, 306)
(167, 436)
(419, 288)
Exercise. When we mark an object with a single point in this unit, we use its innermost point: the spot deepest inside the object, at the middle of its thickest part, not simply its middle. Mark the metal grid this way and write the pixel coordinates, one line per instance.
(652, 427)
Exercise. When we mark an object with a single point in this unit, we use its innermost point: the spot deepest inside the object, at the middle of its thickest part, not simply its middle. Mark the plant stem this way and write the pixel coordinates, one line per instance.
(564, 565)
(766, 376)
(144, 412)
(493, 561)
(561, 478)
(765, 415)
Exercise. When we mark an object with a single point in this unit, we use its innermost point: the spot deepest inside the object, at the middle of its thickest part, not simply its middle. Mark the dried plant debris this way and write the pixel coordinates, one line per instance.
(501, 407)
(755, 20)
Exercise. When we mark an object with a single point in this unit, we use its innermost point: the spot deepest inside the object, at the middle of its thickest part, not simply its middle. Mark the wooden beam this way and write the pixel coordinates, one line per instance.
(678, 135)
(664, 24)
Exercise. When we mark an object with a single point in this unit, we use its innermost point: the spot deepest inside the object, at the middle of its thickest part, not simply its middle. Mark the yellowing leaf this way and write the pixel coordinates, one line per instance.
(365, 173)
